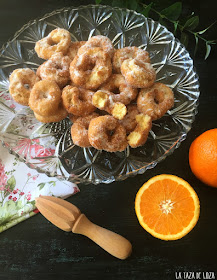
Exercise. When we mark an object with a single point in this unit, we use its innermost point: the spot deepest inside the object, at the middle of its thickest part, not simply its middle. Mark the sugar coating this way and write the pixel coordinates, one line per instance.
(80, 67)
(73, 49)
(138, 73)
(91, 68)
(79, 130)
(155, 101)
(56, 68)
(22, 81)
(57, 40)
(129, 53)
(77, 101)
(125, 94)
(45, 98)
(99, 41)
(100, 137)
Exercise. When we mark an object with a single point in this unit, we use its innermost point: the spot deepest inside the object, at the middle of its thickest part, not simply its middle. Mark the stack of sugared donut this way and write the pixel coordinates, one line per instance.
(110, 95)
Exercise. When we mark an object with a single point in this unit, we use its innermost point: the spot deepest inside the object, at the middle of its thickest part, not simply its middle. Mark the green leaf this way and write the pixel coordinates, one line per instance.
(184, 39)
(12, 183)
(196, 44)
(32, 203)
(41, 186)
(172, 12)
(19, 205)
(52, 183)
(98, 1)
(191, 23)
(175, 25)
(211, 42)
(208, 50)
(8, 211)
(203, 31)
(147, 9)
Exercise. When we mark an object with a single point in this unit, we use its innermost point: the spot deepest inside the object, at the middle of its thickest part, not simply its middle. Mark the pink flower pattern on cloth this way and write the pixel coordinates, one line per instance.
(28, 146)
(19, 185)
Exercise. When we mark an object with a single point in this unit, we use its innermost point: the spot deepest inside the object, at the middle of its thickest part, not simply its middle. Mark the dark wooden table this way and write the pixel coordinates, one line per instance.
(35, 249)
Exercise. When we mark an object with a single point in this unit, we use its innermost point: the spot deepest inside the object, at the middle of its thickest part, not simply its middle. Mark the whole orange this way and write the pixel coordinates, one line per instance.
(203, 157)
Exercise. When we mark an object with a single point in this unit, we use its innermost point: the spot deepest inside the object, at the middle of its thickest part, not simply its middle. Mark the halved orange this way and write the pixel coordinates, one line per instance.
(167, 207)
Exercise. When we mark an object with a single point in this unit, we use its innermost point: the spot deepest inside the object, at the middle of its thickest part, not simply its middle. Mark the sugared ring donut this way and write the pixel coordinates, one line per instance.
(55, 69)
(22, 81)
(137, 73)
(100, 41)
(73, 49)
(155, 101)
(59, 115)
(91, 68)
(139, 135)
(78, 101)
(129, 121)
(45, 98)
(106, 133)
(57, 40)
(129, 52)
(79, 130)
(120, 90)
(102, 100)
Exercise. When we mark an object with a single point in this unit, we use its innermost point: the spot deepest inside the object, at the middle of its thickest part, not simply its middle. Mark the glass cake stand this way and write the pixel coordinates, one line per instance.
(48, 148)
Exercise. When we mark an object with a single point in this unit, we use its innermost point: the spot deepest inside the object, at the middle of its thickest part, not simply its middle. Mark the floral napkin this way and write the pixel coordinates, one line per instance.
(19, 185)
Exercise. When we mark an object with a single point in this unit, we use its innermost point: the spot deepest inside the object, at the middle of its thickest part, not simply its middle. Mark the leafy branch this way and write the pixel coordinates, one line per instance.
(172, 14)
(172, 18)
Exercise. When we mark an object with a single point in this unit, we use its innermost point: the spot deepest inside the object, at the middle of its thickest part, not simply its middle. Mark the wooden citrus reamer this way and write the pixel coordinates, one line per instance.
(68, 217)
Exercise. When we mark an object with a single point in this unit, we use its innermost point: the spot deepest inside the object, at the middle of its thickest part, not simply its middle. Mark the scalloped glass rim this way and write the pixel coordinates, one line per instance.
(174, 57)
